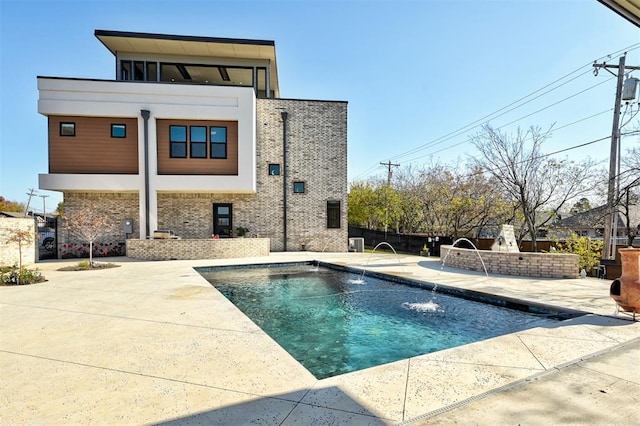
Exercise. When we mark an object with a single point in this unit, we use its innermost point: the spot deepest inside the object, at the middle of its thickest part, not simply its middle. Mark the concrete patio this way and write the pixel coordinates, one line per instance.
(155, 343)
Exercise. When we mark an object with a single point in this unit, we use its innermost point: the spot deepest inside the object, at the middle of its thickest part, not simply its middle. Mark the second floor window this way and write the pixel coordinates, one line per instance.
(118, 130)
(218, 137)
(178, 141)
(67, 129)
(198, 138)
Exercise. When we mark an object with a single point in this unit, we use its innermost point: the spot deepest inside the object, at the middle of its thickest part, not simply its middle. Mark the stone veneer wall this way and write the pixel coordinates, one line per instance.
(9, 252)
(223, 248)
(316, 155)
(116, 206)
(545, 265)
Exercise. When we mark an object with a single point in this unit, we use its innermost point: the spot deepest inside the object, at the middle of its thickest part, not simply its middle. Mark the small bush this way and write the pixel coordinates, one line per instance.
(12, 276)
(85, 265)
(589, 251)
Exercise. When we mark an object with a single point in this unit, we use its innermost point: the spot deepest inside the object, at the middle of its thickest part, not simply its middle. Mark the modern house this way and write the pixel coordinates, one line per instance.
(192, 137)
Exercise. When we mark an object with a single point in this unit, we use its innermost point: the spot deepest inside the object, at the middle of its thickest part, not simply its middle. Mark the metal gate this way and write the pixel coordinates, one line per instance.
(47, 228)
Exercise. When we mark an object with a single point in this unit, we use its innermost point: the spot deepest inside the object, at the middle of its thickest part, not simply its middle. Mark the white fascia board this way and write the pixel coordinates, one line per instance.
(90, 182)
(199, 183)
(124, 98)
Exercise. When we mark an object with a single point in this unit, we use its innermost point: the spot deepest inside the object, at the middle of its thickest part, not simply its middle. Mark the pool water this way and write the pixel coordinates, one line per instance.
(334, 322)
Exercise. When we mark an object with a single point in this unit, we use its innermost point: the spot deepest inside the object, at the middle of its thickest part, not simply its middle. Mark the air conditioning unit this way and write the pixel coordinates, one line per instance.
(356, 244)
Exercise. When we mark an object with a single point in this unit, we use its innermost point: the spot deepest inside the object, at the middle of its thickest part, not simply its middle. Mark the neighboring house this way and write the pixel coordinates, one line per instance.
(591, 224)
(193, 137)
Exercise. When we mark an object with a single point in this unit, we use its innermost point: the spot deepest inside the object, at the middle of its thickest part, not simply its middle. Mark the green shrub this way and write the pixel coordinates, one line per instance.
(589, 251)
(13, 276)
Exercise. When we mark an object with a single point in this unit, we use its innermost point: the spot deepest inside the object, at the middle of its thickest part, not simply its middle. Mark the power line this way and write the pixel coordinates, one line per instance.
(498, 128)
(466, 127)
(475, 123)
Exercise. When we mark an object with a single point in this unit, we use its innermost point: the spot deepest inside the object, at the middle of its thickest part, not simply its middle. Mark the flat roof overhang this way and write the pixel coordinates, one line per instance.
(232, 48)
(628, 9)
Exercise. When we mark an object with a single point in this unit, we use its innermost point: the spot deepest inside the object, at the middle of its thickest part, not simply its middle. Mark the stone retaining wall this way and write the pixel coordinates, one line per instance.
(9, 252)
(224, 248)
(544, 265)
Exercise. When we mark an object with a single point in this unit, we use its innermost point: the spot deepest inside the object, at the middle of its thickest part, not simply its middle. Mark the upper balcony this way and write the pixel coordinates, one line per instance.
(194, 60)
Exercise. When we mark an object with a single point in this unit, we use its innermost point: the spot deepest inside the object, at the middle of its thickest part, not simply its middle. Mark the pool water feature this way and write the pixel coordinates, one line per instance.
(333, 324)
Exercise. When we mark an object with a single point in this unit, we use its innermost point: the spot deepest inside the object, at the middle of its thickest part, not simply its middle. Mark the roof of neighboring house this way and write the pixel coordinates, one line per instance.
(628, 9)
(167, 44)
(594, 218)
(12, 214)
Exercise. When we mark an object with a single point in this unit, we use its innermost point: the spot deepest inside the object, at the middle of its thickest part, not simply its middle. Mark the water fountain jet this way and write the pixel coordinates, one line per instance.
(474, 247)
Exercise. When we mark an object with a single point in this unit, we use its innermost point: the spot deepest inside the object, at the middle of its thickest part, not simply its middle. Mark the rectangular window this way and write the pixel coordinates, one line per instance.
(333, 214)
(218, 138)
(178, 141)
(298, 187)
(198, 138)
(138, 70)
(152, 71)
(274, 169)
(67, 129)
(125, 70)
(118, 130)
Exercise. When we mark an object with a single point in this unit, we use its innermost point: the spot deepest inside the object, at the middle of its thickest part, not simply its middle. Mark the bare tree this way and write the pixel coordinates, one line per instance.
(541, 186)
(89, 226)
(629, 193)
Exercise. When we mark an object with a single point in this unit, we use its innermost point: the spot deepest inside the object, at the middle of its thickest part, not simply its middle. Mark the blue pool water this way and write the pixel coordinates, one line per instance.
(334, 322)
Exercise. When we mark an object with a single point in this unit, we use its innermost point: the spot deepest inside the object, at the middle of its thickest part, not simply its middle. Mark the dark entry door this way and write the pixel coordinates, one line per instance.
(222, 224)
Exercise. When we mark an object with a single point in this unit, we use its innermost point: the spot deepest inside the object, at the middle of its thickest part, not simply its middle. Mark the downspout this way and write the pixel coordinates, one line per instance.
(284, 175)
(145, 116)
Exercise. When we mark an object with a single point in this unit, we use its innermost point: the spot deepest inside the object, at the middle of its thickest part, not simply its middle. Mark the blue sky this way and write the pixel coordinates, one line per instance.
(412, 71)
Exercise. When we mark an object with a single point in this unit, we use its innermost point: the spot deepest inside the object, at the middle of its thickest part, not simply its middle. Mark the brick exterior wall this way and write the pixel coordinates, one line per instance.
(117, 206)
(224, 248)
(544, 265)
(316, 155)
(9, 252)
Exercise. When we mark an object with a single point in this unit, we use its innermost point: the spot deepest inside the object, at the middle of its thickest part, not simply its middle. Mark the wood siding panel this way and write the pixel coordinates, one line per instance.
(197, 166)
(92, 149)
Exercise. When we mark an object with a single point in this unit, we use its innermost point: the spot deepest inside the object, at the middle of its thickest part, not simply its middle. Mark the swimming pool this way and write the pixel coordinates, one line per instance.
(334, 321)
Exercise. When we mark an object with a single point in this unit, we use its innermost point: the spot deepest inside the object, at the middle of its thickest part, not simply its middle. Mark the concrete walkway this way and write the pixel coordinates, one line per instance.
(155, 343)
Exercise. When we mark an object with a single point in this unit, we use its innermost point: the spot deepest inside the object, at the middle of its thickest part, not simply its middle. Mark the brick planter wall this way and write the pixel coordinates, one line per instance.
(224, 248)
(544, 265)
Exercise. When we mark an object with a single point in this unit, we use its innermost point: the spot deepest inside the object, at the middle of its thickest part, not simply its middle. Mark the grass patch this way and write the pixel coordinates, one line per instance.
(85, 265)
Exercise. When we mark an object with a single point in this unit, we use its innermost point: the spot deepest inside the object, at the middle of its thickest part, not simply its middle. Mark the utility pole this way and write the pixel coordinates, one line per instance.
(31, 193)
(44, 208)
(389, 164)
(610, 221)
(389, 173)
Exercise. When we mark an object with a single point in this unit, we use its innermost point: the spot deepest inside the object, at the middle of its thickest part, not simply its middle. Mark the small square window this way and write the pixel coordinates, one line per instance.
(118, 130)
(298, 187)
(67, 129)
(274, 169)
